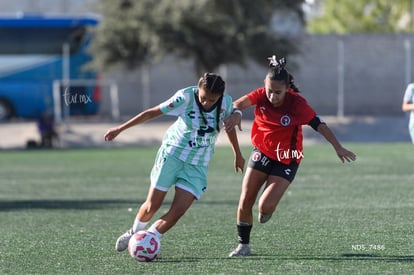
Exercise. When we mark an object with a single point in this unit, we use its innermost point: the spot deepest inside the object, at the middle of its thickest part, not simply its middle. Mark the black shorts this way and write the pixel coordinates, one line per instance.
(261, 162)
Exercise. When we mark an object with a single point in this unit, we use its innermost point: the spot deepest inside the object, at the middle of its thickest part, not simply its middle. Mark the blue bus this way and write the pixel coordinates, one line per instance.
(36, 50)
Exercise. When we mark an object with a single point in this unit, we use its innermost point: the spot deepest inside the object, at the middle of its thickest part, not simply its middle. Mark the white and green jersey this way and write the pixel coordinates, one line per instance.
(409, 97)
(189, 138)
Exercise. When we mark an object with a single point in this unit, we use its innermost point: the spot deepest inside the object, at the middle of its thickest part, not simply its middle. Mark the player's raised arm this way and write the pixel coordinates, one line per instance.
(142, 117)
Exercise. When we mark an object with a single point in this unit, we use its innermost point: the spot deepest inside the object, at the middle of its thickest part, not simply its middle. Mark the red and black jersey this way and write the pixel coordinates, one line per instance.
(277, 131)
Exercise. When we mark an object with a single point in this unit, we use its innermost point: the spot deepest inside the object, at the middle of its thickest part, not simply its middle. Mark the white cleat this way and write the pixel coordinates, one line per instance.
(241, 250)
(122, 242)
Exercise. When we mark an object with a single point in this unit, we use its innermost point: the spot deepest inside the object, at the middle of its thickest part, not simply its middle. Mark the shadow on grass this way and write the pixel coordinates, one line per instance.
(64, 204)
(365, 257)
(14, 205)
(340, 258)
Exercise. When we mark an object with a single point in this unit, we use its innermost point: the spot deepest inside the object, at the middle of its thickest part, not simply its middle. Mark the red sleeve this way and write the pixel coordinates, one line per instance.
(255, 95)
(304, 112)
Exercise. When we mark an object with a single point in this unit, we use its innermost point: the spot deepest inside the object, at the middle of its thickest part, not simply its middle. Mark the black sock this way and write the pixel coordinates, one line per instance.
(243, 230)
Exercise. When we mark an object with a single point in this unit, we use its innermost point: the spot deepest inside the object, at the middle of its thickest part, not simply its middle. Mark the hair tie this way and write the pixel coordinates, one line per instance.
(273, 62)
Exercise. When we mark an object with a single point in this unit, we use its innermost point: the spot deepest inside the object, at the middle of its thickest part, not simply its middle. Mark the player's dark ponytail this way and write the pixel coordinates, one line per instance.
(277, 71)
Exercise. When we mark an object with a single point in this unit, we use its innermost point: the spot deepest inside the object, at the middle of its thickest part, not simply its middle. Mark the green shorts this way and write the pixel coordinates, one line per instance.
(169, 170)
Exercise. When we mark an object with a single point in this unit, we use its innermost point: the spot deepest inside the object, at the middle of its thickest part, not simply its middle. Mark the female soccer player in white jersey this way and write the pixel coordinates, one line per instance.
(182, 160)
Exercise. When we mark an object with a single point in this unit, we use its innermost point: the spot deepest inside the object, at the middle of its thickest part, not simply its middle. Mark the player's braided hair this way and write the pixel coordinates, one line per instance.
(277, 71)
(213, 83)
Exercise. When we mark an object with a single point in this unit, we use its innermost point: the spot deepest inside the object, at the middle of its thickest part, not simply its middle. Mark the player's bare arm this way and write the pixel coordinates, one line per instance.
(239, 161)
(235, 119)
(407, 106)
(142, 117)
(342, 153)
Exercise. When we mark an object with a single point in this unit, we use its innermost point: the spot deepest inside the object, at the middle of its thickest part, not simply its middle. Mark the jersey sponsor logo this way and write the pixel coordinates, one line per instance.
(205, 137)
(203, 130)
(285, 120)
(288, 171)
(200, 141)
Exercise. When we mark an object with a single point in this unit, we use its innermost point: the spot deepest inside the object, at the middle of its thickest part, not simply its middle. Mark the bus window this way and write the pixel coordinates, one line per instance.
(31, 58)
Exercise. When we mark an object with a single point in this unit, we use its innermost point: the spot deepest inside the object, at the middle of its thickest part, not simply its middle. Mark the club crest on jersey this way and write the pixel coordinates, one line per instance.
(285, 120)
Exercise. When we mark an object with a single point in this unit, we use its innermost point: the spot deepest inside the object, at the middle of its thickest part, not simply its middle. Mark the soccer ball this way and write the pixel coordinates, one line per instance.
(144, 246)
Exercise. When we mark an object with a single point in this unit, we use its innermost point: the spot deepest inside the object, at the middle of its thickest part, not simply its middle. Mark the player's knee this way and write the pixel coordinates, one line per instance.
(150, 208)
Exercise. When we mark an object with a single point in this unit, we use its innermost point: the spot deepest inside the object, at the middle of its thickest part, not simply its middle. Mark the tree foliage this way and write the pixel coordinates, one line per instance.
(210, 32)
(350, 16)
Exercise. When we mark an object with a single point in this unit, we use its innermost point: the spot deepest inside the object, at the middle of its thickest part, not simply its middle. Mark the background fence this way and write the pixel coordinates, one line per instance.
(350, 75)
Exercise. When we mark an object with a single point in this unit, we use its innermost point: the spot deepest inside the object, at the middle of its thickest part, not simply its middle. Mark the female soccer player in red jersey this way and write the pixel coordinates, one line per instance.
(277, 138)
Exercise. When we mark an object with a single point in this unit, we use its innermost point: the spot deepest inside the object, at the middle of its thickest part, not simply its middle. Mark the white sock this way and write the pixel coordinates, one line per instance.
(154, 230)
(138, 225)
